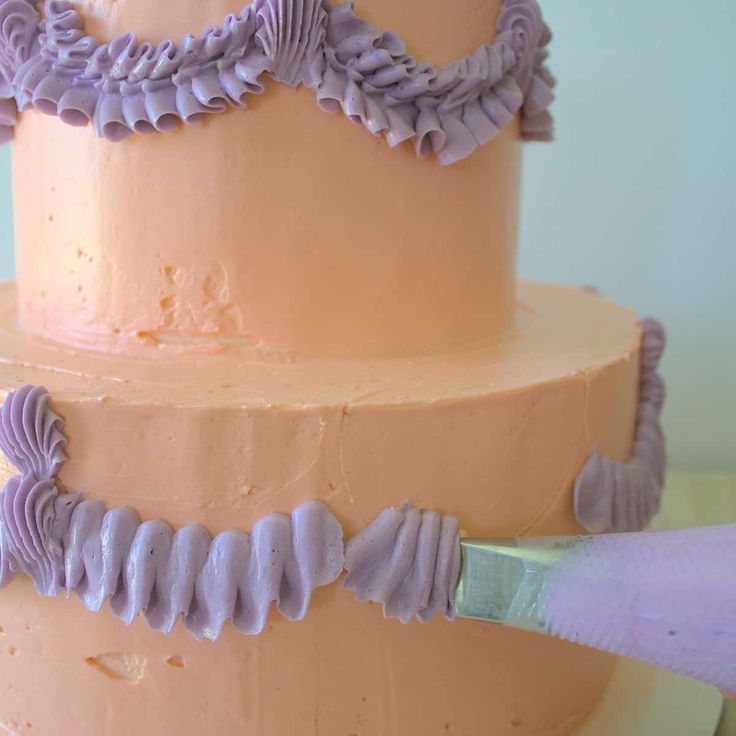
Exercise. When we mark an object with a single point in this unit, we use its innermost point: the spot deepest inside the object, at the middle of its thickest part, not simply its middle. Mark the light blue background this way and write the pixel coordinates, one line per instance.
(637, 196)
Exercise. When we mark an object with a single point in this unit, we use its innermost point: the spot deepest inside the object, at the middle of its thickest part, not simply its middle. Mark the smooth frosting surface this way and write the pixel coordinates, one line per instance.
(124, 87)
(356, 264)
(509, 423)
(410, 677)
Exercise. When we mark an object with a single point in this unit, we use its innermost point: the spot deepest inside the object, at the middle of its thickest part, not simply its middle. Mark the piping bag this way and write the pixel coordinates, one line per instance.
(667, 598)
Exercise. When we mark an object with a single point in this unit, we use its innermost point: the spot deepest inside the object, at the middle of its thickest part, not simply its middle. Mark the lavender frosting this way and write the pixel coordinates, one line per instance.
(31, 435)
(65, 543)
(407, 560)
(124, 86)
(617, 497)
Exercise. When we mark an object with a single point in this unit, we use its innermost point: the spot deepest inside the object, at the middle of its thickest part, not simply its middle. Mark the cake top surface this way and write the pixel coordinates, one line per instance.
(551, 337)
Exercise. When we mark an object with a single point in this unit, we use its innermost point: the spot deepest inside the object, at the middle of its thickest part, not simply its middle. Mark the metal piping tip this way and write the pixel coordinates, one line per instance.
(502, 580)
(667, 598)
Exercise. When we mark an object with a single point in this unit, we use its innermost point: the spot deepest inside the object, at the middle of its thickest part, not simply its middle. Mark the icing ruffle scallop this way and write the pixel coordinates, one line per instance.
(292, 35)
(19, 41)
(124, 87)
(407, 560)
(450, 110)
(31, 435)
(617, 497)
(33, 518)
(146, 568)
(64, 543)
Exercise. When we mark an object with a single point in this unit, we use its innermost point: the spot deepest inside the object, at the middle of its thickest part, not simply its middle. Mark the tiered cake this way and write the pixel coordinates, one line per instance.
(274, 307)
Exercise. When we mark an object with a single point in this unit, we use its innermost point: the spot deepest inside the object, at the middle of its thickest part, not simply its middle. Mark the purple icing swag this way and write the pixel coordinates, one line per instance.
(65, 543)
(49, 63)
(622, 497)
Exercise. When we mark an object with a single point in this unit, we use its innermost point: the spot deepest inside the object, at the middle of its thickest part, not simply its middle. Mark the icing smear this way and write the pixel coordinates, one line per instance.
(620, 497)
(123, 87)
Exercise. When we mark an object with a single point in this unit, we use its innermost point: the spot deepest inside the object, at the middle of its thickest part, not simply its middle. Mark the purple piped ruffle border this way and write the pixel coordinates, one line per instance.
(49, 63)
(407, 560)
(67, 544)
(611, 496)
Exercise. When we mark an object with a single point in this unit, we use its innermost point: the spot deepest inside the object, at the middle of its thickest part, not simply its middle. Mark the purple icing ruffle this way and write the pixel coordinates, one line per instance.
(147, 568)
(126, 87)
(450, 110)
(32, 520)
(407, 560)
(31, 435)
(64, 543)
(619, 497)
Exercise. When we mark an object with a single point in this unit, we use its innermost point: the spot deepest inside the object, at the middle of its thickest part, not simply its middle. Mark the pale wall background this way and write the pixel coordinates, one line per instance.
(638, 194)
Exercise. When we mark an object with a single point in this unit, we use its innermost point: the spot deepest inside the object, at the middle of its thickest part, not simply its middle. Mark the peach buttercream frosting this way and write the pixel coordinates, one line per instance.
(383, 254)
(289, 352)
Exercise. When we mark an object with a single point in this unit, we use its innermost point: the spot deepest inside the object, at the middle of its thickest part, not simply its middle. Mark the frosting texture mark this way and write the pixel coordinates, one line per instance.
(618, 497)
(407, 560)
(64, 543)
(126, 87)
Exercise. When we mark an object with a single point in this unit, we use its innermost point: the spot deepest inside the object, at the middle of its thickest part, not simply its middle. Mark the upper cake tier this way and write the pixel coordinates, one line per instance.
(280, 227)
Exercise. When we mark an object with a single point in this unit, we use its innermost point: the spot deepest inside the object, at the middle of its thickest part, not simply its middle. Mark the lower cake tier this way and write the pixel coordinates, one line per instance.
(495, 434)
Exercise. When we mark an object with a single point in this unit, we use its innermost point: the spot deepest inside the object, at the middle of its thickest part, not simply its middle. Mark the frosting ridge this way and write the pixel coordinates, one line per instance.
(611, 496)
(33, 516)
(146, 568)
(124, 87)
(31, 435)
(407, 560)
